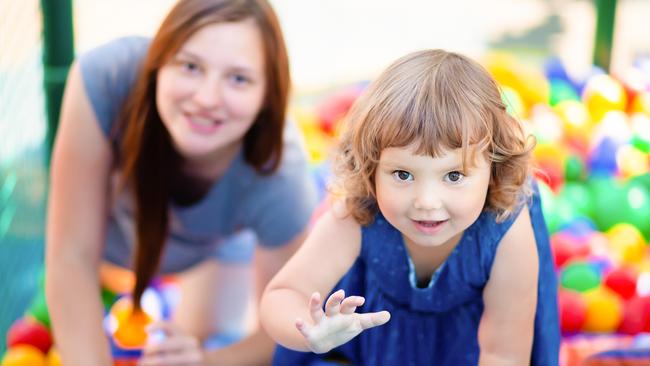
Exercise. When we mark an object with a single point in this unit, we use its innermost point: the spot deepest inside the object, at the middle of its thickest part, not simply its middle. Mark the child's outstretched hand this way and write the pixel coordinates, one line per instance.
(169, 345)
(338, 323)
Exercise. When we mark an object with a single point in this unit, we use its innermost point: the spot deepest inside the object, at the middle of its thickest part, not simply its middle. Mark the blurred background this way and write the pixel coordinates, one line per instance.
(564, 65)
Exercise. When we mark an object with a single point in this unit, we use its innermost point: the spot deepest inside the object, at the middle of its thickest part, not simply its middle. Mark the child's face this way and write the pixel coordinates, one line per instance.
(209, 93)
(431, 201)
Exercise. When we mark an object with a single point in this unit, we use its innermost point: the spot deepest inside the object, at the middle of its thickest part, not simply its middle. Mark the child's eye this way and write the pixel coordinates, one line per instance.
(402, 175)
(455, 176)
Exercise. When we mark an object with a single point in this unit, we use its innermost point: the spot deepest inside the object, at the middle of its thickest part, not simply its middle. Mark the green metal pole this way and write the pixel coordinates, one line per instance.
(58, 53)
(605, 16)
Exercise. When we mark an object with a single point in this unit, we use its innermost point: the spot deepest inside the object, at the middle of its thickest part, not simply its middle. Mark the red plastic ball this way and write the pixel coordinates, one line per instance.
(636, 316)
(29, 332)
(622, 281)
(573, 310)
(566, 247)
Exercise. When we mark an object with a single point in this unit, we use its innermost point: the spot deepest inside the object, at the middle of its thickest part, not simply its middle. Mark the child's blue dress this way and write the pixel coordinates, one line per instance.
(436, 325)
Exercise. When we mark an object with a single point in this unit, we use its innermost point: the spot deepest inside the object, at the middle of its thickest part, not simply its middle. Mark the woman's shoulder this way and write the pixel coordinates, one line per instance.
(108, 73)
(121, 46)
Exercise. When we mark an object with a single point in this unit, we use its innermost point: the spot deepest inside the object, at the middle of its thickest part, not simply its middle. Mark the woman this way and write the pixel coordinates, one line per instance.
(167, 149)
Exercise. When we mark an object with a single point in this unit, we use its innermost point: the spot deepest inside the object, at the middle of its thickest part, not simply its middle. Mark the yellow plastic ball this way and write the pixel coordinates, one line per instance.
(53, 358)
(632, 161)
(575, 117)
(528, 81)
(551, 154)
(641, 103)
(626, 243)
(603, 94)
(23, 355)
(604, 311)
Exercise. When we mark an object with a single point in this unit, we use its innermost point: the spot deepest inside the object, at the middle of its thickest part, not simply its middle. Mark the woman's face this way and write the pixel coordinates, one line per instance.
(210, 92)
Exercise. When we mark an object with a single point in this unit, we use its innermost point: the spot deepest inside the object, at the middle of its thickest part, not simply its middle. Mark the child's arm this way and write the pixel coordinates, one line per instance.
(506, 330)
(291, 309)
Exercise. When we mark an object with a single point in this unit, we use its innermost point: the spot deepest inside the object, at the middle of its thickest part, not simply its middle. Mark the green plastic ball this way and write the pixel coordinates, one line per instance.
(580, 276)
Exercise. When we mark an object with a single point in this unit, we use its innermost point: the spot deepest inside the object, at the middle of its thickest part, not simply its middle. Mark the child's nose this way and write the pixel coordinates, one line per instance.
(428, 199)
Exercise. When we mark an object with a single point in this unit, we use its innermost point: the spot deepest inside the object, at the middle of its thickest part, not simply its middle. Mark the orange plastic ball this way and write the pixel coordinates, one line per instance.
(23, 355)
(604, 311)
(130, 330)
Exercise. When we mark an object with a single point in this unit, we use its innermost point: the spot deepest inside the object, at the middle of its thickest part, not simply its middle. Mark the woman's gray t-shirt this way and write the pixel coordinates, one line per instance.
(240, 206)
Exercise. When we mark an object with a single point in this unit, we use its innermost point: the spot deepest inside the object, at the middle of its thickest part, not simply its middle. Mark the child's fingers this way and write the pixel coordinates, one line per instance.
(303, 327)
(370, 320)
(315, 308)
(349, 304)
(333, 305)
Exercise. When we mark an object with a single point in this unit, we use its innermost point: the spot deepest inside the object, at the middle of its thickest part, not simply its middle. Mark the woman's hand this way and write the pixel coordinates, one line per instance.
(169, 345)
(338, 323)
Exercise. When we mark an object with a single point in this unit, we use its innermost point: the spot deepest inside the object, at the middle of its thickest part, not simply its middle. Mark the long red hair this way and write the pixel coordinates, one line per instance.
(149, 164)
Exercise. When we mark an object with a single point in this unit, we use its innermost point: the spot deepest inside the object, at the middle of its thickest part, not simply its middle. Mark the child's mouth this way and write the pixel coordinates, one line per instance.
(428, 226)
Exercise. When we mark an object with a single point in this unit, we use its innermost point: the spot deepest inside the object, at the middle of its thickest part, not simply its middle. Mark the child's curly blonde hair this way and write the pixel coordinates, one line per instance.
(440, 101)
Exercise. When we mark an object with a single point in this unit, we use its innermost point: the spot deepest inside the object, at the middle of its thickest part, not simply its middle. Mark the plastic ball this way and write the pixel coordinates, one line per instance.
(643, 284)
(582, 79)
(554, 69)
(580, 276)
(578, 197)
(565, 247)
(130, 332)
(640, 132)
(626, 242)
(637, 206)
(608, 199)
(574, 169)
(334, 107)
(573, 310)
(23, 355)
(548, 206)
(562, 90)
(603, 94)
(636, 316)
(601, 263)
(546, 125)
(581, 228)
(565, 210)
(641, 103)
(38, 309)
(604, 311)
(53, 358)
(514, 104)
(642, 180)
(108, 298)
(576, 118)
(30, 332)
(529, 82)
(616, 126)
(602, 159)
(622, 281)
(632, 161)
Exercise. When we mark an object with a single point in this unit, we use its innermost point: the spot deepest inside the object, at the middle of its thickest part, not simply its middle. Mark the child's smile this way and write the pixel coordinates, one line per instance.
(430, 200)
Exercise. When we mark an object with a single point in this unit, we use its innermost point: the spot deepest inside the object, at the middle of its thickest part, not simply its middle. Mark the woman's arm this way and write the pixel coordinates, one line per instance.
(76, 217)
(258, 347)
(505, 333)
